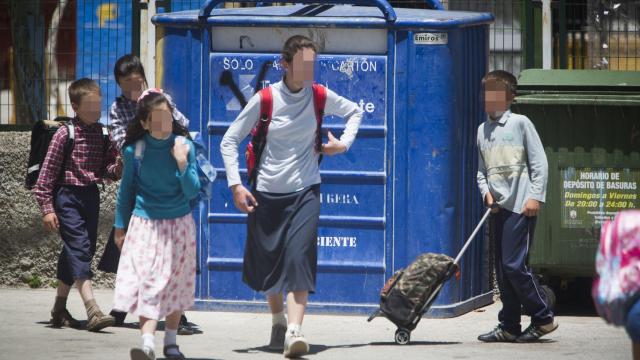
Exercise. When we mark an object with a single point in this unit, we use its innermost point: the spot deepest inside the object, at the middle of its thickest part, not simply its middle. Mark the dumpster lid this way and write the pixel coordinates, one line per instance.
(579, 80)
(579, 87)
(327, 16)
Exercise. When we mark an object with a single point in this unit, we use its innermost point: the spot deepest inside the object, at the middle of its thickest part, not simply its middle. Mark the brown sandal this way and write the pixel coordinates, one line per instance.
(62, 317)
(99, 321)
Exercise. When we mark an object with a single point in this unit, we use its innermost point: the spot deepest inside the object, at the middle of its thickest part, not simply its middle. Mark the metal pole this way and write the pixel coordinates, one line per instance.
(562, 34)
(144, 7)
(528, 33)
(547, 36)
(150, 62)
(136, 31)
(148, 41)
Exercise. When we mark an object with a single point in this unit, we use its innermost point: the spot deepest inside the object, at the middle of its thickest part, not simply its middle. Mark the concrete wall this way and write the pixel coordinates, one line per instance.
(27, 251)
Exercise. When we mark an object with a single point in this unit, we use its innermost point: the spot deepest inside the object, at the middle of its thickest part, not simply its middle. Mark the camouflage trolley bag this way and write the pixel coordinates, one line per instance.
(409, 293)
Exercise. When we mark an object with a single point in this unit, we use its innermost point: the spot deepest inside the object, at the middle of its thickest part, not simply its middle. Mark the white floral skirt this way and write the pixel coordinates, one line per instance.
(157, 269)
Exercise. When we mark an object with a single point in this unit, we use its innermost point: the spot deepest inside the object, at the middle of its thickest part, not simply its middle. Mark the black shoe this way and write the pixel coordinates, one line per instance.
(119, 316)
(498, 335)
(534, 332)
(186, 328)
(170, 356)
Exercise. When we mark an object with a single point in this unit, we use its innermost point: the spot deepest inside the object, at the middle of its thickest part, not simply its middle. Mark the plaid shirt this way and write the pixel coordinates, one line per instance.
(86, 165)
(123, 111)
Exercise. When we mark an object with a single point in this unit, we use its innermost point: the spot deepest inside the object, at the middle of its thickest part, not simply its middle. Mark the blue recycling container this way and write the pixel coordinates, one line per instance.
(405, 187)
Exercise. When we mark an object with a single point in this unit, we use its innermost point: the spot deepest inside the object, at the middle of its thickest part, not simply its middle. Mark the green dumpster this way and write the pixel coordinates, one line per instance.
(589, 123)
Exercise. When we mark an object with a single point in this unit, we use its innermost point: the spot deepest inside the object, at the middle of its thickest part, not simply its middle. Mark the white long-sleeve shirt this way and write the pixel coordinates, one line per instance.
(289, 162)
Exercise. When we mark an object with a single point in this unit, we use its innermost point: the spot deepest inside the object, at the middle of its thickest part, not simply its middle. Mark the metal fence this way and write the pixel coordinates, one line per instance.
(506, 34)
(52, 42)
(37, 57)
(49, 43)
(612, 36)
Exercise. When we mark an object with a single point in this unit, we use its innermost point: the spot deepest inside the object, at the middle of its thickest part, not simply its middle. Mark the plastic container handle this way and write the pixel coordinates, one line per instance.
(383, 5)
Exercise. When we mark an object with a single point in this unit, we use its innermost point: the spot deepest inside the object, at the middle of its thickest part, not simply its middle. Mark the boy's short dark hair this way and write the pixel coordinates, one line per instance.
(504, 77)
(127, 65)
(295, 43)
(82, 87)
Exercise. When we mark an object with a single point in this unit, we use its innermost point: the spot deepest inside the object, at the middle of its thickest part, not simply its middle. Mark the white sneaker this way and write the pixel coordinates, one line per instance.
(295, 345)
(277, 337)
(142, 354)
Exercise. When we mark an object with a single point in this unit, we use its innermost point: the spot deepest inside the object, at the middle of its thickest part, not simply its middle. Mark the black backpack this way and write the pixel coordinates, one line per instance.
(41, 135)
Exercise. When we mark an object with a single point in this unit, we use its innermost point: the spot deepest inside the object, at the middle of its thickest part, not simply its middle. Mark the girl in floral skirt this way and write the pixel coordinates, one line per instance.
(154, 226)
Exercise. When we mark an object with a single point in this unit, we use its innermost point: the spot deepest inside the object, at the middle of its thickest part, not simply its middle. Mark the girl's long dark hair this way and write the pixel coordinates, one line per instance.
(135, 131)
(127, 65)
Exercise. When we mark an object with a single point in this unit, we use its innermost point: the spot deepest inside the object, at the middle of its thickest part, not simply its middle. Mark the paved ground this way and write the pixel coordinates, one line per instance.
(26, 335)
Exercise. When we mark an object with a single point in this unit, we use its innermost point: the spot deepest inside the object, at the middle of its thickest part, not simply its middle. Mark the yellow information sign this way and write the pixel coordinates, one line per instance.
(592, 196)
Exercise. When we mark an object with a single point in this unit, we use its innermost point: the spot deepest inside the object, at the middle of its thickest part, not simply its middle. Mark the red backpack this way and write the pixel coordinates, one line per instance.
(259, 132)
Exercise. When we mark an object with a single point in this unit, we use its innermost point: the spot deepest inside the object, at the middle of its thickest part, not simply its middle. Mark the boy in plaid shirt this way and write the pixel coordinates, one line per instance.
(68, 196)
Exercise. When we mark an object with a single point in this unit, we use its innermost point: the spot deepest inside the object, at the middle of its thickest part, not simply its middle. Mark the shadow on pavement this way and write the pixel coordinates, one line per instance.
(415, 343)
(313, 349)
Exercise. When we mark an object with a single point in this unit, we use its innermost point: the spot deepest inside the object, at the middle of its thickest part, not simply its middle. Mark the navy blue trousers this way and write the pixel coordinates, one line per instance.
(77, 208)
(111, 256)
(633, 322)
(513, 234)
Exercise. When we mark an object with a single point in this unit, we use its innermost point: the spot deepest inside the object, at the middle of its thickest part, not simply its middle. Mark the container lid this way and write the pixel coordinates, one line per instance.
(589, 80)
(579, 87)
(326, 16)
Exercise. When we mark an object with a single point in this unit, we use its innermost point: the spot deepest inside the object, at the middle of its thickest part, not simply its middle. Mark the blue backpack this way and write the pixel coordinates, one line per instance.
(206, 172)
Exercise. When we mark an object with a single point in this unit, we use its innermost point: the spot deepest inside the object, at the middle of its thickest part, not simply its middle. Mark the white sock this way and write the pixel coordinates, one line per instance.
(170, 339)
(293, 328)
(279, 319)
(148, 341)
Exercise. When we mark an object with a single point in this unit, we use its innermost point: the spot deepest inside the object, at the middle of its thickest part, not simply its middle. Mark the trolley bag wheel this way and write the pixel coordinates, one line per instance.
(551, 296)
(403, 336)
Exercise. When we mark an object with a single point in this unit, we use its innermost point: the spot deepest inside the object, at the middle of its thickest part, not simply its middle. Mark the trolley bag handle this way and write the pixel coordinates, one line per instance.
(454, 266)
(474, 233)
(383, 5)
